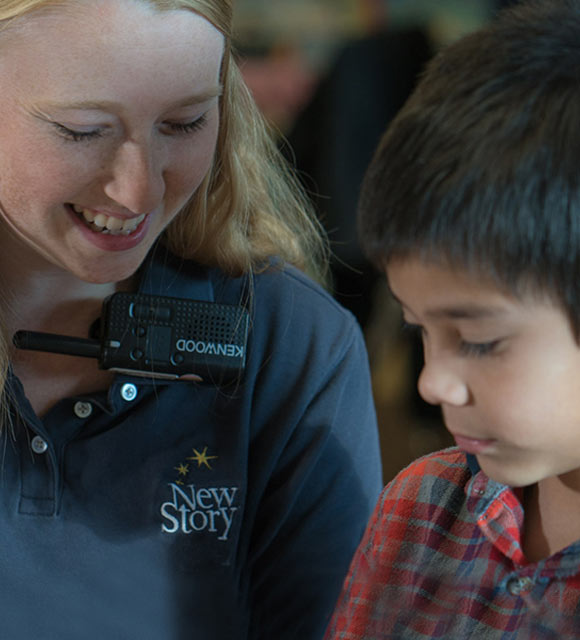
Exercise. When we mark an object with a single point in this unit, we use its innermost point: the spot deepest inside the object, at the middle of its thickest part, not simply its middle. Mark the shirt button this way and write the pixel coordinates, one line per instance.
(515, 586)
(39, 445)
(128, 392)
(83, 409)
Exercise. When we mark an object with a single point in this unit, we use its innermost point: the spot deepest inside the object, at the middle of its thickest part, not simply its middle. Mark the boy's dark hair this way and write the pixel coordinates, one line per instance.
(481, 168)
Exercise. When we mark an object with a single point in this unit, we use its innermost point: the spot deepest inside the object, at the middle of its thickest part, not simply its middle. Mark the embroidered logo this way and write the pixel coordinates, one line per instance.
(192, 509)
(202, 458)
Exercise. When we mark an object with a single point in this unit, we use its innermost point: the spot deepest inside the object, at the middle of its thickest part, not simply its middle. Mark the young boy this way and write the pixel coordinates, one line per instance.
(472, 207)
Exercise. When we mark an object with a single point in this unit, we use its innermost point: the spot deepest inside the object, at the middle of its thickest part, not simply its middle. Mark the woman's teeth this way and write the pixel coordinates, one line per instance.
(108, 224)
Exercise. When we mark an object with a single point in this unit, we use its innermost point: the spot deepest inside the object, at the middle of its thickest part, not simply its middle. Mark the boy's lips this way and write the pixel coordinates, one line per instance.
(473, 445)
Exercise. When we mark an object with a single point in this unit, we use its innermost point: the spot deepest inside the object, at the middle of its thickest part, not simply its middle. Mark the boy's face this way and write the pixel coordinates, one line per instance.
(505, 370)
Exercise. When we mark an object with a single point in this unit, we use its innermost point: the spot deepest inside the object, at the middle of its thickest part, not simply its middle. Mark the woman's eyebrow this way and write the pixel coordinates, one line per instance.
(108, 105)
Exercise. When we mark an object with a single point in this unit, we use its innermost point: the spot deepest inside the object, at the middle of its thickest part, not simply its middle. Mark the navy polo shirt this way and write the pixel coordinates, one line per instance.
(162, 510)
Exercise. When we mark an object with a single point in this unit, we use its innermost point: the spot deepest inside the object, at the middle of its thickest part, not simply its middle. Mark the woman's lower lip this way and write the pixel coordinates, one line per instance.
(472, 445)
(110, 242)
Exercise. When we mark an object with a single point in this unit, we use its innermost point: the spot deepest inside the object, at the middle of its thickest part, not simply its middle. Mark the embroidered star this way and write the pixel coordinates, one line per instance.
(202, 458)
(182, 469)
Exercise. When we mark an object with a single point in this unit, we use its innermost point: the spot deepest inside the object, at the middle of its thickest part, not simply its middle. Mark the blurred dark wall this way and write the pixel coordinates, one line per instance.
(501, 4)
(334, 138)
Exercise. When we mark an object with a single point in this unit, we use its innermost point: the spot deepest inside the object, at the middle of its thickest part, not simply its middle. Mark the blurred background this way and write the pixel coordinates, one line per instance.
(329, 75)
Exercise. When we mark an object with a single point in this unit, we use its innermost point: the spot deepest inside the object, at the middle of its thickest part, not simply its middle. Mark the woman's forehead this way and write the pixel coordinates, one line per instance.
(135, 21)
(24, 16)
(120, 51)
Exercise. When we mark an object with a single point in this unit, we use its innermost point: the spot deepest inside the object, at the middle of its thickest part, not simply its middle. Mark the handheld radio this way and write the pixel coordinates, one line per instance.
(159, 337)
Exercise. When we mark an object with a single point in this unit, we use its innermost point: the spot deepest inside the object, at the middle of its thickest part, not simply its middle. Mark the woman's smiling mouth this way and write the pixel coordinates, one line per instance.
(105, 224)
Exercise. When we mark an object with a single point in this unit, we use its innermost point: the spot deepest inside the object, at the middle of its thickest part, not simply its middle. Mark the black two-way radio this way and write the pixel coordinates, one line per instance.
(159, 337)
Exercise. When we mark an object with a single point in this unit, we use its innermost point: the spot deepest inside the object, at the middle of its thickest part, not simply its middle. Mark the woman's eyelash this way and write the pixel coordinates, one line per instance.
(81, 136)
(77, 136)
(188, 127)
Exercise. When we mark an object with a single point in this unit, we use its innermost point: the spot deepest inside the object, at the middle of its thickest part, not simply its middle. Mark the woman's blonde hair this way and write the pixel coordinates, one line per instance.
(250, 205)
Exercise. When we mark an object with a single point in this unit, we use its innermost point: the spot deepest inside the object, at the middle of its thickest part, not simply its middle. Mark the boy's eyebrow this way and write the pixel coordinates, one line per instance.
(108, 105)
(465, 312)
(461, 311)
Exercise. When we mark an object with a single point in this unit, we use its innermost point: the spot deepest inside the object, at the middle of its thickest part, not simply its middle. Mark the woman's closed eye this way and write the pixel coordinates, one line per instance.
(76, 135)
(187, 127)
(172, 128)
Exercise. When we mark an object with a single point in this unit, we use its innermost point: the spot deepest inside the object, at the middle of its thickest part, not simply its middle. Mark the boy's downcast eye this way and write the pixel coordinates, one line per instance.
(477, 349)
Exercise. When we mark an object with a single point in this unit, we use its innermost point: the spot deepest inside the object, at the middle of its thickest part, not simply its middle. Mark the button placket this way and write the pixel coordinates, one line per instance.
(39, 479)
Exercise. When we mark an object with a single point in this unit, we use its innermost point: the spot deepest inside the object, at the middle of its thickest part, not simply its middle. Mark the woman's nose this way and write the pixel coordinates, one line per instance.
(136, 179)
(440, 382)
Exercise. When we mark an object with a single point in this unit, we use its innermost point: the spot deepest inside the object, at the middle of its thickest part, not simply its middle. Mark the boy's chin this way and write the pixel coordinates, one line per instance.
(512, 475)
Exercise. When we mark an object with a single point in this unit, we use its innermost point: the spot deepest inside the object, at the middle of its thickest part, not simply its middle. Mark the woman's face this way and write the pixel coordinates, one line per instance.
(109, 125)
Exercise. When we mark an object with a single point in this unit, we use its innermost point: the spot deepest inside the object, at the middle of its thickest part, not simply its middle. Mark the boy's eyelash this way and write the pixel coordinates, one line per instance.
(473, 349)
(477, 349)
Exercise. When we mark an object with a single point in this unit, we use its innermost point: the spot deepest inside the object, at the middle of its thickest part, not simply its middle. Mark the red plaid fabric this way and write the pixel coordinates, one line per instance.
(442, 558)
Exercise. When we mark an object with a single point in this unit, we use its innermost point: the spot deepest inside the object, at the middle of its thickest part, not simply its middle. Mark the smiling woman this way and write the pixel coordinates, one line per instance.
(133, 160)
(107, 145)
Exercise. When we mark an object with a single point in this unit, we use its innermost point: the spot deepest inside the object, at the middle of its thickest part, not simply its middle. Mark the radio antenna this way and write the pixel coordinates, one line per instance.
(54, 343)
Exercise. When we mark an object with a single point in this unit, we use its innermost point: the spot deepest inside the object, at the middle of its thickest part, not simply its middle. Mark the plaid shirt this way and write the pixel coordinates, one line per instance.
(442, 558)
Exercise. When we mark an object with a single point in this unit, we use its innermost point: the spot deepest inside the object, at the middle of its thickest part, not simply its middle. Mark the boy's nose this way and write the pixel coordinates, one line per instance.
(136, 180)
(439, 383)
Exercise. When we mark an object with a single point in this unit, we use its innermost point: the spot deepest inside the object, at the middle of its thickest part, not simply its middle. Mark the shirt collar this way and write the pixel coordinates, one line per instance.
(473, 464)
(165, 274)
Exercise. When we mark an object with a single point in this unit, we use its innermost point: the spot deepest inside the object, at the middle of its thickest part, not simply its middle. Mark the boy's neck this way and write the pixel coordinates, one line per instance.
(552, 515)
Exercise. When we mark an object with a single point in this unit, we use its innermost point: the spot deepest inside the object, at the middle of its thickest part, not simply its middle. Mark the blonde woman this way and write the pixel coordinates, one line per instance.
(133, 160)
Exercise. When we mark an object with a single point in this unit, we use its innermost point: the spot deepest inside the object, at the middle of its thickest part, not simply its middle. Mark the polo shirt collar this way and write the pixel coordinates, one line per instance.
(165, 274)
